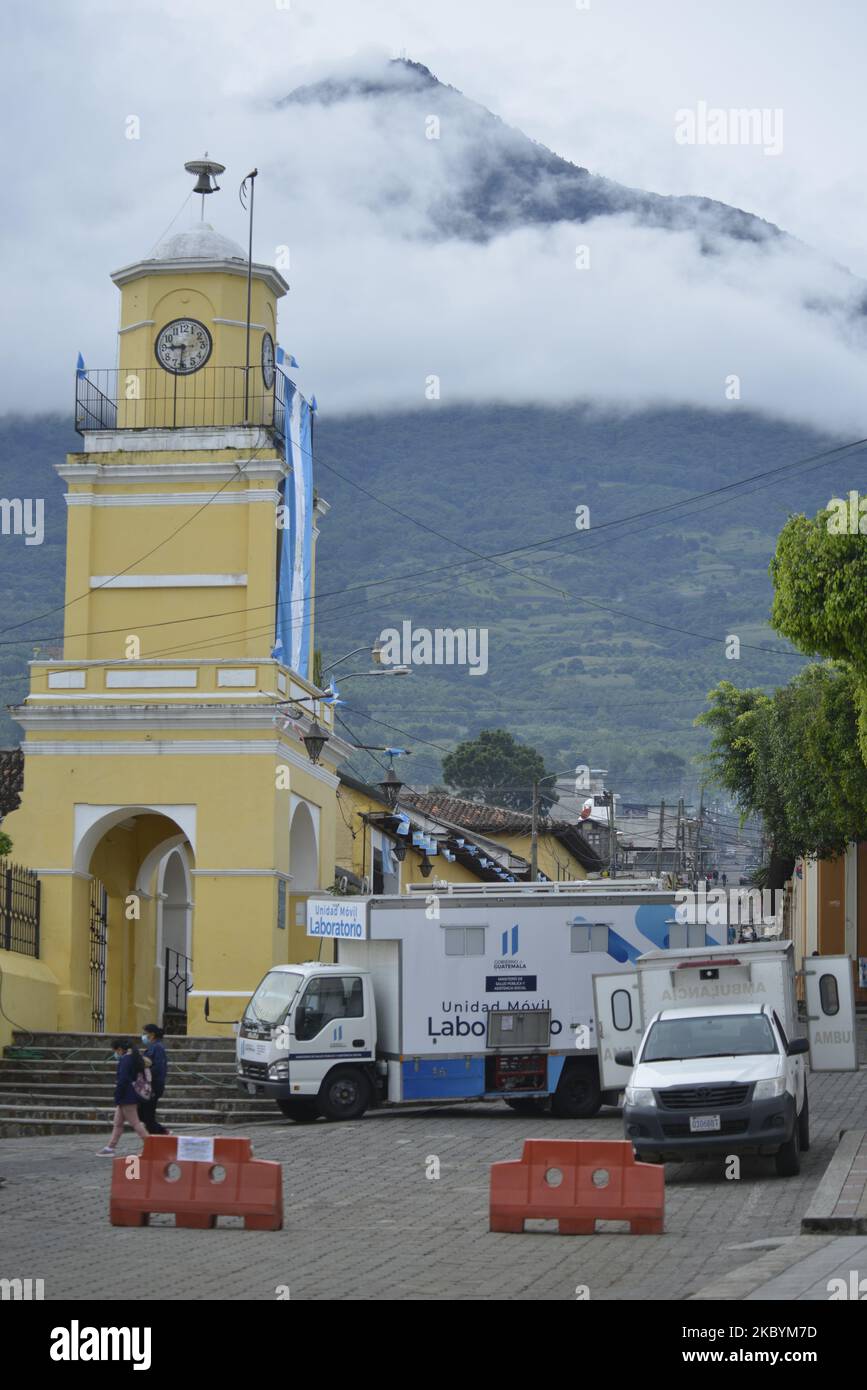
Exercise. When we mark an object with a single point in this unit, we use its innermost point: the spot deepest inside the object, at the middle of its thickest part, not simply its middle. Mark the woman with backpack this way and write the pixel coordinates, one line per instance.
(132, 1085)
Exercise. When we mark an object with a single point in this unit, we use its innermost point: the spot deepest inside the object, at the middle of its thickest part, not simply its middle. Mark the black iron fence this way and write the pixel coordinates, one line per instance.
(98, 953)
(111, 398)
(20, 899)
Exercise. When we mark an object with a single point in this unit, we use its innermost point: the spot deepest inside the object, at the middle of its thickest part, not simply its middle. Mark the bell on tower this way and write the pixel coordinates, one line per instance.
(207, 171)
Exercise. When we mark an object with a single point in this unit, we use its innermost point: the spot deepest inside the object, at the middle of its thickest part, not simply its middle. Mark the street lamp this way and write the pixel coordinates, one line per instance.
(314, 741)
(391, 787)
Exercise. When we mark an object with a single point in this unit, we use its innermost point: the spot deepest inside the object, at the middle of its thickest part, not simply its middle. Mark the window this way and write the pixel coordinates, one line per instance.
(709, 1035)
(828, 994)
(621, 1010)
(464, 941)
(328, 997)
(589, 936)
(378, 886)
(273, 997)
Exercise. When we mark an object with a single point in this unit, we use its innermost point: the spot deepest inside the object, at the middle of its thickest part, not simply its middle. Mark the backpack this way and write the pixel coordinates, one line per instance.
(142, 1082)
(142, 1087)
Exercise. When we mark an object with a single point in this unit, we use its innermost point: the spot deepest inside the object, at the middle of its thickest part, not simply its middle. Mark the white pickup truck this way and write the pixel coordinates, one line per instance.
(710, 1053)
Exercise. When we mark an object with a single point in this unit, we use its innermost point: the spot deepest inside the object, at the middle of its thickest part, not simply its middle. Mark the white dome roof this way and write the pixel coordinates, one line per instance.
(200, 242)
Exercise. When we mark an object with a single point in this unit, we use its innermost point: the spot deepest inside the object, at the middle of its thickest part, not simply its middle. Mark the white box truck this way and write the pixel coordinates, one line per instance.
(458, 993)
(707, 1045)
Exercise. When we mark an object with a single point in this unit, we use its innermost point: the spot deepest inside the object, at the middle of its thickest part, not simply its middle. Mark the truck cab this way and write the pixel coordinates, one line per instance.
(728, 1080)
(307, 1039)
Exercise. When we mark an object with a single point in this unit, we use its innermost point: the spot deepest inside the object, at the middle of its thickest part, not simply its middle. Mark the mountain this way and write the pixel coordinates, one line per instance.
(500, 179)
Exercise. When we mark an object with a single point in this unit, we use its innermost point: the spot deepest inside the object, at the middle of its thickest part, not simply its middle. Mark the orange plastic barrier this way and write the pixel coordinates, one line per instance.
(156, 1181)
(578, 1182)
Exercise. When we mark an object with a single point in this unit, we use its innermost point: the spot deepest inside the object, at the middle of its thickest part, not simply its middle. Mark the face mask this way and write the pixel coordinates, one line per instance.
(145, 1038)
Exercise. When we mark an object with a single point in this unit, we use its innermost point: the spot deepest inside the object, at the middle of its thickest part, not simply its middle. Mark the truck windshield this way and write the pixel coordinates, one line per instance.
(709, 1035)
(273, 997)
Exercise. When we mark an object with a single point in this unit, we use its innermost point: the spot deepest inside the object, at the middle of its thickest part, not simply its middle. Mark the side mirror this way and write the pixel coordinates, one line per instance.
(798, 1046)
(625, 1058)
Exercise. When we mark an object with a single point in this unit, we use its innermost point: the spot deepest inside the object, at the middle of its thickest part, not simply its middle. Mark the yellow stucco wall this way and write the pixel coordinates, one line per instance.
(29, 995)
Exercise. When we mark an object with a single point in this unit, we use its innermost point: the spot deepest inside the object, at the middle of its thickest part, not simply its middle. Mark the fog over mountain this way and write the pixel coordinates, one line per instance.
(480, 257)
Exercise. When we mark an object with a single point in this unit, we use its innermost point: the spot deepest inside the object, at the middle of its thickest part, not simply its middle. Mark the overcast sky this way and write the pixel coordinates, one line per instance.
(375, 307)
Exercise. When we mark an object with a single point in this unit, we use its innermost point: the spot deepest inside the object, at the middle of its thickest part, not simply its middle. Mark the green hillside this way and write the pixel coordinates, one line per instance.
(584, 685)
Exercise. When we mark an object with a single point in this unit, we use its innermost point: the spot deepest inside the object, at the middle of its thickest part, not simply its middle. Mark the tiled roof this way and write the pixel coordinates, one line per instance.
(500, 820)
(472, 815)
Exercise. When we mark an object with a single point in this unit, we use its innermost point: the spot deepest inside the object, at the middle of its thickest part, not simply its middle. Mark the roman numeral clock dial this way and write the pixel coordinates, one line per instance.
(183, 346)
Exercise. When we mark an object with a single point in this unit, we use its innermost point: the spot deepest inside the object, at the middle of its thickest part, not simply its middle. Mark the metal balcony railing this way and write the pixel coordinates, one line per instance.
(111, 398)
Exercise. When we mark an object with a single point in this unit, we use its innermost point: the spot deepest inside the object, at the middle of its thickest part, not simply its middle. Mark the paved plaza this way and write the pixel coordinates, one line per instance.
(363, 1220)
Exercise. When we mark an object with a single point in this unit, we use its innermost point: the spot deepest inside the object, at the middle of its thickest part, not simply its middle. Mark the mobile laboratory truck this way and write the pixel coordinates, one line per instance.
(465, 992)
(706, 1045)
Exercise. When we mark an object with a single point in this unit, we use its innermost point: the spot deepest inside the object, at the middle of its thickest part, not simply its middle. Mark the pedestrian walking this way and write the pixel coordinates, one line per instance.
(155, 1052)
(131, 1086)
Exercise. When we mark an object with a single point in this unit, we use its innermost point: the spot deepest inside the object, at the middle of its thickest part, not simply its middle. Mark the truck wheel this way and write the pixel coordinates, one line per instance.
(345, 1094)
(578, 1095)
(528, 1105)
(804, 1124)
(788, 1158)
(303, 1110)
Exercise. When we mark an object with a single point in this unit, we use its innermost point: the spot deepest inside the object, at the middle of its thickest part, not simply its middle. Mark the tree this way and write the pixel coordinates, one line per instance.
(820, 596)
(5, 844)
(793, 758)
(496, 768)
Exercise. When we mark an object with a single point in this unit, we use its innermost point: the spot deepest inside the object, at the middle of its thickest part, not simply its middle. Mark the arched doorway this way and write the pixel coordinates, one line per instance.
(174, 964)
(138, 861)
(304, 872)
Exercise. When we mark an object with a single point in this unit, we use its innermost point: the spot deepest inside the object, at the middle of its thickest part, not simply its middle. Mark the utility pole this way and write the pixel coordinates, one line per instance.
(612, 837)
(678, 840)
(699, 853)
(534, 835)
(659, 839)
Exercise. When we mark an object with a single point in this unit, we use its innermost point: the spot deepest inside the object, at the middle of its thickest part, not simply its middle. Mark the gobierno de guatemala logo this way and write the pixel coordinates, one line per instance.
(509, 958)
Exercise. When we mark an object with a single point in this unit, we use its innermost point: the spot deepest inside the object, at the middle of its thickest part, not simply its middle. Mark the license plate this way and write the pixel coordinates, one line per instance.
(251, 1088)
(698, 1124)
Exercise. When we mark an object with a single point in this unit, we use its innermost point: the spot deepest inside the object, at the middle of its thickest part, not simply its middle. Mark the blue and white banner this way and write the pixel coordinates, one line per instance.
(292, 642)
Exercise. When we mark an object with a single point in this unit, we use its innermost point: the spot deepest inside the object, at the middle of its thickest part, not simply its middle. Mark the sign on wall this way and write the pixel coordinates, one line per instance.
(338, 918)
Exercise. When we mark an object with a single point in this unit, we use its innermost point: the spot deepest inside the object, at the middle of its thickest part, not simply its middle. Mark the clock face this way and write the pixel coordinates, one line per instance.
(183, 346)
(268, 360)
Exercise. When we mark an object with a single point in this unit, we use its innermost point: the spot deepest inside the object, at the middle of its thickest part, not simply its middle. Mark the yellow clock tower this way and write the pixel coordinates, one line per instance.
(178, 804)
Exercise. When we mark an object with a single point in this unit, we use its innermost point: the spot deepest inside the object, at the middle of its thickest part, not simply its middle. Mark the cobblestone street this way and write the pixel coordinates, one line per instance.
(363, 1221)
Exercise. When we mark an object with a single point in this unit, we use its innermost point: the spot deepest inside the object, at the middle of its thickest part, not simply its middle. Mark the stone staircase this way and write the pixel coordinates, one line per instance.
(63, 1083)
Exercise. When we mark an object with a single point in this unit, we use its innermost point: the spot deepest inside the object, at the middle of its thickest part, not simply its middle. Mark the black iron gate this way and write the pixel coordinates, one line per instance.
(178, 981)
(98, 951)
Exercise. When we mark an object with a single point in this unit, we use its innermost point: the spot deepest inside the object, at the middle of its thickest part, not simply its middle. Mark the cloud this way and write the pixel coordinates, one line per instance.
(382, 299)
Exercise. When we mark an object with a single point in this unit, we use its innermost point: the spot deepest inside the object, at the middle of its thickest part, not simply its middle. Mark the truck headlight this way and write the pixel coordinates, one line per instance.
(278, 1070)
(767, 1090)
(639, 1095)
